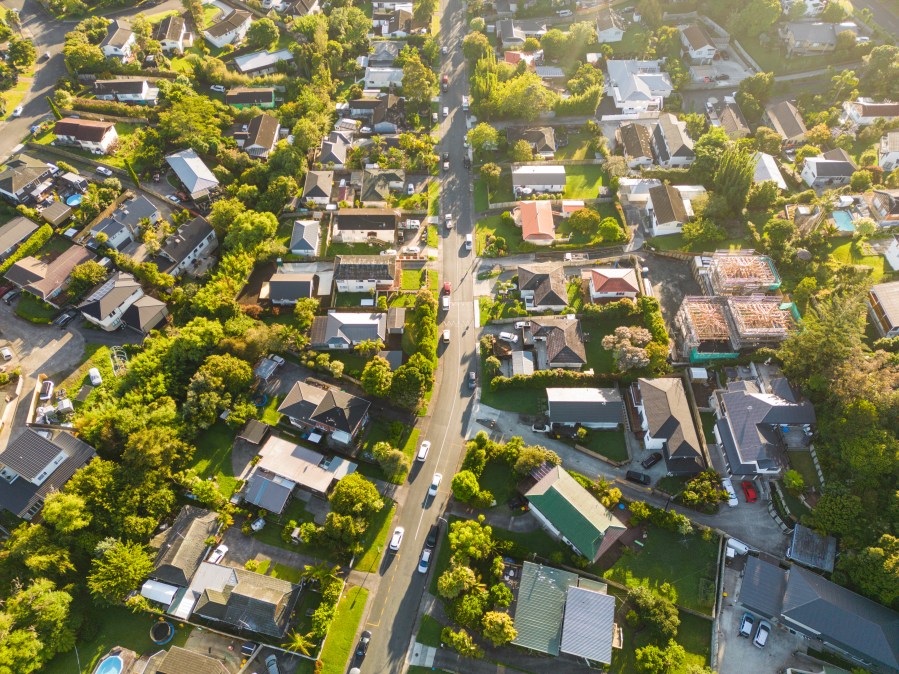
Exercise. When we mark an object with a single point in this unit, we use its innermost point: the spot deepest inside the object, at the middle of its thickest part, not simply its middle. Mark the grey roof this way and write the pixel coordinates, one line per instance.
(56, 213)
(118, 32)
(589, 626)
(696, 36)
(286, 286)
(262, 131)
(333, 152)
(384, 52)
(144, 314)
(812, 549)
(42, 278)
(30, 453)
(833, 164)
(250, 95)
(733, 122)
(668, 204)
(191, 171)
(396, 318)
(269, 491)
(182, 661)
(367, 219)
(15, 232)
(540, 607)
(110, 295)
(332, 407)
(635, 140)
(254, 431)
(231, 22)
(304, 236)
(564, 339)
(784, 118)
(763, 586)
(585, 405)
(541, 138)
(815, 32)
(671, 137)
(376, 187)
(170, 28)
(364, 267)
(185, 239)
(547, 281)
(669, 417)
(318, 184)
(183, 546)
(348, 328)
(83, 129)
(129, 214)
(20, 172)
(127, 85)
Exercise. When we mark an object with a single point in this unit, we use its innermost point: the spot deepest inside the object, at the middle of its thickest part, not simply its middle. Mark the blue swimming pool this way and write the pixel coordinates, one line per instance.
(843, 220)
(111, 665)
(74, 200)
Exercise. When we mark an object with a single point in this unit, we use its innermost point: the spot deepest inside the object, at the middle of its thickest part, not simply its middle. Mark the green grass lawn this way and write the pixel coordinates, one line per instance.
(338, 248)
(492, 309)
(687, 563)
(523, 401)
(210, 14)
(271, 533)
(633, 43)
(96, 355)
(434, 198)
(351, 299)
(499, 480)
(213, 456)
(708, 425)
(578, 144)
(433, 236)
(342, 634)
(270, 413)
(676, 242)
(610, 444)
(848, 253)
(413, 279)
(288, 573)
(802, 461)
(494, 225)
(503, 193)
(672, 484)
(772, 59)
(34, 310)
(116, 626)
(583, 182)
(576, 296)
(373, 544)
(352, 361)
(126, 145)
(599, 358)
(580, 239)
(429, 632)
(481, 202)
(527, 542)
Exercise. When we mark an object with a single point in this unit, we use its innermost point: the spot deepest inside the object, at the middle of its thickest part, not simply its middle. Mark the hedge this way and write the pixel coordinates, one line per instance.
(554, 378)
(114, 108)
(620, 309)
(34, 243)
(652, 318)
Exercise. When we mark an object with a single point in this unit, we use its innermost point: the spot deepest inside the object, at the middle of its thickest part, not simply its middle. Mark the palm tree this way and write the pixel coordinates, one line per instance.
(299, 643)
(321, 572)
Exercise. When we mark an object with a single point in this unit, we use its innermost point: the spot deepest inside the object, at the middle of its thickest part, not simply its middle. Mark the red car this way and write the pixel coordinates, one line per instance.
(447, 287)
(749, 491)
(445, 79)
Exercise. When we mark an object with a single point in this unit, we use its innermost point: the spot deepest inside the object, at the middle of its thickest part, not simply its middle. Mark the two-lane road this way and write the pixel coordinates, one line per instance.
(394, 608)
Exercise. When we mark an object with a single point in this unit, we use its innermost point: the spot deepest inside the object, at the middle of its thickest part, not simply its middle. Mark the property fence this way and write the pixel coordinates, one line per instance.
(102, 116)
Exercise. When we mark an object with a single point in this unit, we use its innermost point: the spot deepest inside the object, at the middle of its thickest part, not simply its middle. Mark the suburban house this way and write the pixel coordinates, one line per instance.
(834, 167)
(530, 179)
(610, 26)
(666, 420)
(883, 207)
(883, 307)
(196, 177)
(636, 144)
(384, 52)
(811, 7)
(119, 40)
(23, 177)
(261, 63)
(286, 288)
(189, 243)
(334, 150)
(106, 304)
(318, 187)
(55, 214)
(587, 407)
(730, 118)
(866, 111)
(88, 134)
(178, 659)
(302, 8)
(45, 280)
(304, 238)
(34, 465)
(610, 284)
(558, 612)
(638, 86)
(829, 615)
(542, 139)
(766, 169)
(284, 467)
(513, 32)
(382, 112)
(145, 314)
(183, 546)
(672, 147)
(122, 226)
(13, 234)
(805, 38)
(785, 119)
(327, 410)
(536, 221)
(668, 210)
(249, 97)
(260, 137)
(364, 273)
(341, 331)
(378, 184)
(229, 30)
(398, 22)
(756, 424)
(358, 225)
(888, 152)
(172, 35)
(558, 342)
(127, 90)
(698, 46)
(383, 78)
(737, 272)
(543, 286)
(571, 513)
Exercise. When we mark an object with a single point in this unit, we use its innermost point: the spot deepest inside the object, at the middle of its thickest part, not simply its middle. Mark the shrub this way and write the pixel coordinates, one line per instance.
(33, 244)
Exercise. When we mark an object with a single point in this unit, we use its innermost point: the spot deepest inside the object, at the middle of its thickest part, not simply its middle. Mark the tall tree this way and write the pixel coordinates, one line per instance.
(733, 178)
(262, 34)
(118, 571)
(355, 496)
(419, 81)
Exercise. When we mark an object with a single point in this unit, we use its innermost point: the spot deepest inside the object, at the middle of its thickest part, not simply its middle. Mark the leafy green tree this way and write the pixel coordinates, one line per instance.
(880, 72)
(249, 230)
(193, 121)
(475, 46)
(875, 569)
(585, 221)
(409, 386)
(762, 196)
(501, 595)
(21, 52)
(490, 174)
(377, 377)
(654, 611)
(461, 642)
(81, 56)
(355, 496)
(704, 488)
(733, 178)
(304, 312)
(804, 153)
(708, 149)
(655, 660)
(755, 17)
(532, 456)
(793, 481)
(66, 513)
(837, 512)
(861, 181)
(423, 10)
(470, 539)
(469, 610)
(477, 24)
(703, 231)
(122, 568)
(498, 628)
(465, 486)
(522, 152)
(85, 276)
(768, 140)
(419, 81)
(299, 643)
(586, 77)
(37, 623)
(455, 580)
(610, 231)
(262, 34)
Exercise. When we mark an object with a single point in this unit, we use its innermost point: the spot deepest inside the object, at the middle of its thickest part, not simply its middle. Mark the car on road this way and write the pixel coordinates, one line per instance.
(47, 55)
(445, 112)
(218, 554)
(728, 486)
(218, 87)
(761, 637)
(433, 535)
(746, 625)
(443, 51)
(448, 220)
(389, 251)
(651, 460)
(723, 77)
(258, 525)
(364, 641)
(446, 79)
(508, 337)
(66, 318)
(445, 156)
(472, 380)
(564, 12)
(447, 287)
(425, 561)
(435, 484)
(94, 375)
(423, 450)
(446, 336)
(11, 295)
(749, 491)
(446, 166)
(397, 539)
(445, 87)
(540, 428)
(6, 352)
(638, 477)
(103, 171)
(46, 390)
(17, 112)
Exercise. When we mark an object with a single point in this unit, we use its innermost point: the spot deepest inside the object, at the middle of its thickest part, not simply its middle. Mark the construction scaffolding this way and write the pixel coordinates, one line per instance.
(702, 328)
(742, 272)
(758, 320)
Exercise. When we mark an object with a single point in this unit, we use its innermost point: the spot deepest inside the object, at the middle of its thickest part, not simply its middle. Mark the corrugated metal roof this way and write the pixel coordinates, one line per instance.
(541, 606)
(589, 625)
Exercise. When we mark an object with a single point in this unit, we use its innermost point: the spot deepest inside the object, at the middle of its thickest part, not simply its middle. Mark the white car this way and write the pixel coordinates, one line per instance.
(446, 166)
(103, 171)
(413, 224)
(423, 450)
(728, 486)
(435, 484)
(449, 221)
(761, 637)
(412, 250)
(218, 87)
(6, 352)
(17, 112)
(508, 337)
(445, 111)
(218, 554)
(425, 561)
(389, 251)
(95, 377)
(278, 360)
(46, 390)
(446, 336)
(173, 198)
(258, 525)
(397, 539)
(521, 325)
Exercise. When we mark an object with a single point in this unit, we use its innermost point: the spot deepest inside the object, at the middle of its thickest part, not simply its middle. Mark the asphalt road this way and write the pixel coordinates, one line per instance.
(886, 13)
(394, 608)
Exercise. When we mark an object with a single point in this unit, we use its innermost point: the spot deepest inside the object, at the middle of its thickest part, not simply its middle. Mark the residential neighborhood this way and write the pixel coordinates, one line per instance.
(466, 337)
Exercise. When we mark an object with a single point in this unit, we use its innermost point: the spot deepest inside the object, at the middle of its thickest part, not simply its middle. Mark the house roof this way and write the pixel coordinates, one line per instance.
(247, 63)
(254, 431)
(574, 511)
(608, 19)
(733, 122)
(668, 204)
(834, 163)
(302, 7)
(810, 548)
(763, 587)
(541, 138)
(364, 267)
(589, 627)
(510, 31)
(250, 95)
(118, 33)
(546, 281)
(614, 280)
(191, 171)
(890, 142)
(349, 327)
(638, 81)
(20, 172)
(376, 186)
(272, 492)
(30, 453)
(766, 169)
(304, 236)
(230, 23)
(696, 37)
(564, 339)
(144, 314)
(786, 120)
(318, 184)
(524, 176)
(384, 52)
(183, 546)
(110, 295)
(585, 405)
(55, 214)
(886, 109)
(669, 416)
(886, 295)
(812, 31)
(262, 131)
(540, 607)
(396, 318)
(673, 134)
(125, 85)
(186, 238)
(83, 129)
(332, 407)
(290, 286)
(635, 140)
(301, 465)
(170, 28)
(15, 231)
(367, 219)
(41, 278)
(182, 661)
(537, 220)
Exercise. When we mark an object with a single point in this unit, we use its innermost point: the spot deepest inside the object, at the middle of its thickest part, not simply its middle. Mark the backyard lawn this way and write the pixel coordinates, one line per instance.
(708, 425)
(352, 361)
(492, 309)
(494, 225)
(583, 182)
(270, 413)
(342, 634)
(213, 457)
(480, 196)
(525, 543)
(610, 444)
(687, 563)
(499, 480)
(801, 460)
(598, 358)
(578, 144)
(523, 401)
(848, 253)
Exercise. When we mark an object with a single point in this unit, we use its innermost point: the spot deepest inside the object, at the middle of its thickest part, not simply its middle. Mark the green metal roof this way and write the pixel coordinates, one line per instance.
(540, 607)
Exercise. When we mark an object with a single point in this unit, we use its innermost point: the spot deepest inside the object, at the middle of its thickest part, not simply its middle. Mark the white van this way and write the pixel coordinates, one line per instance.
(469, 242)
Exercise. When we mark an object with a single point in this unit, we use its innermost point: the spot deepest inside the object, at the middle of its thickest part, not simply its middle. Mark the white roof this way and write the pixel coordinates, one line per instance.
(156, 591)
(394, 75)
(302, 465)
(583, 395)
(638, 80)
(261, 59)
(191, 171)
(588, 629)
(766, 169)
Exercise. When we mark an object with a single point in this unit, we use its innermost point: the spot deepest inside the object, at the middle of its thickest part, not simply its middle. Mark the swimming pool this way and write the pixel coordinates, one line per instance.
(112, 664)
(74, 200)
(843, 220)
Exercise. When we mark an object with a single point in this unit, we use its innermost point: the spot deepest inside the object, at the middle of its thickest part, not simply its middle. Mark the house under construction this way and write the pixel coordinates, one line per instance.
(711, 328)
(739, 272)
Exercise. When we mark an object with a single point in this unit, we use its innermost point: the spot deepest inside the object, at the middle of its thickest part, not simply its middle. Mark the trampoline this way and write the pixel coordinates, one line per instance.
(162, 632)
(261, 400)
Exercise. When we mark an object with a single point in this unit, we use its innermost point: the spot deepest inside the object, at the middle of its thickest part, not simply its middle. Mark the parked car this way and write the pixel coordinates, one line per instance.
(521, 325)
(749, 491)
(449, 221)
(540, 428)
(94, 375)
(103, 171)
(47, 56)
(728, 486)
(651, 460)
(258, 525)
(425, 561)
(508, 337)
(6, 352)
(435, 484)
(761, 637)
(746, 625)
(723, 77)
(66, 318)
(447, 287)
(5, 289)
(423, 450)
(446, 166)
(17, 112)
(397, 539)
(218, 87)
(445, 87)
(364, 641)
(11, 295)
(433, 535)
(446, 79)
(472, 380)
(46, 390)
(278, 360)
(446, 336)
(445, 112)
(218, 554)
(389, 251)
(639, 478)
(173, 198)
(412, 250)
(564, 12)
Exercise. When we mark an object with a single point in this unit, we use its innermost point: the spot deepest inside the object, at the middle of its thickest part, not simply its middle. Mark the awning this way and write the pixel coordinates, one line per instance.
(156, 591)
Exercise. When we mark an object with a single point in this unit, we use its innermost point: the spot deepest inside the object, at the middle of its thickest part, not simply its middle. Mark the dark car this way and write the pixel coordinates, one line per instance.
(433, 535)
(639, 478)
(65, 318)
(651, 460)
(472, 380)
(722, 77)
(364, 640)
(446, 156)
(11, 295)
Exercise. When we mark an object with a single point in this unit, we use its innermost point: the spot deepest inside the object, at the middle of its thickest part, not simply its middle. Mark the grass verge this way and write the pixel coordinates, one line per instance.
(429, 632)
(342, 633)
(373, 543)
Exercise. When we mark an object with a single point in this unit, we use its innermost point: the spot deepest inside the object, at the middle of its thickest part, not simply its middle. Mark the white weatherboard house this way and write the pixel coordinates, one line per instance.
(888, 154)
(383, 78)
(638, 86)
(230, 30)
(538, 179)
(119, 40)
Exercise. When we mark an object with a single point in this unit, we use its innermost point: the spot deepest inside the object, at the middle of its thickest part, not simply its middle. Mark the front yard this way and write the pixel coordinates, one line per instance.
(34, 310)
(610, 444)
(530, 401)
(849, 253)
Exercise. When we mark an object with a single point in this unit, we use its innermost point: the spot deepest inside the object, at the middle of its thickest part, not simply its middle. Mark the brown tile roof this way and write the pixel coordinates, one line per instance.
(82, 129)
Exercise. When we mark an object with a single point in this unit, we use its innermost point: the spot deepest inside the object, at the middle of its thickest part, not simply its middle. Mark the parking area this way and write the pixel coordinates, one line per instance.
(671, 281)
